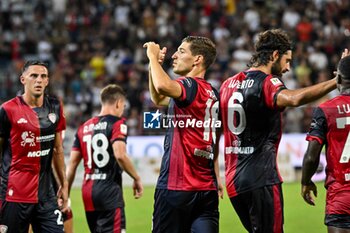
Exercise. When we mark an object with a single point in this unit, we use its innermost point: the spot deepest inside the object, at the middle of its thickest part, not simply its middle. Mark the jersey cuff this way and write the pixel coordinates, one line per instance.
(314, 138)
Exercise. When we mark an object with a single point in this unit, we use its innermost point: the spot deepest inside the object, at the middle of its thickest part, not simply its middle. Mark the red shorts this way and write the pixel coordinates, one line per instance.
(337, 201)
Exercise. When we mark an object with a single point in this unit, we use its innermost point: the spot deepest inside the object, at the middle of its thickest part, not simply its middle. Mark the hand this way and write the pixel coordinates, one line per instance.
(162, 55)
(138, 189)
(153, 51)
(306, 192)
(220, 189)
(345, 53)
(62, 198)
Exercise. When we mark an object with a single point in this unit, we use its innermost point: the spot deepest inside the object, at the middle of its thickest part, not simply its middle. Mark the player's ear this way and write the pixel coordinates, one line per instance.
(275, 55)
(21, 79)
(198, 59)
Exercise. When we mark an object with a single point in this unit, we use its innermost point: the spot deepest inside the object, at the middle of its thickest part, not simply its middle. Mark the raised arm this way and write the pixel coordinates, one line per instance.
(157, 98)
(162, 83)
(294, 98)
(119, 150)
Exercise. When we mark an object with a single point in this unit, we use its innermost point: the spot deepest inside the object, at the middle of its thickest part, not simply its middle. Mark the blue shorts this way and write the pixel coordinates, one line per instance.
(185, 211)
(338, 220)
(44, 217)
(261, 210)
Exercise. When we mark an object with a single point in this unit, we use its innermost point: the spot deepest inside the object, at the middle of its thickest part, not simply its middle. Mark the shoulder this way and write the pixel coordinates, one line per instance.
(12, 103)
(53, 100)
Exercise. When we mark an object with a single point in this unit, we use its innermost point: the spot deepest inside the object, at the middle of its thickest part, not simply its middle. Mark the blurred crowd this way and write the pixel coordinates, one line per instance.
(91, 43)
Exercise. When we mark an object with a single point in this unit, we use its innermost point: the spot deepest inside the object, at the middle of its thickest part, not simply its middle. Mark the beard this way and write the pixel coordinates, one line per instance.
(276, 68)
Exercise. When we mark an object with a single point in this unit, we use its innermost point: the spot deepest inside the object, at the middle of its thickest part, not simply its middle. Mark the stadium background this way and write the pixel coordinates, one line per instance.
(90, 43)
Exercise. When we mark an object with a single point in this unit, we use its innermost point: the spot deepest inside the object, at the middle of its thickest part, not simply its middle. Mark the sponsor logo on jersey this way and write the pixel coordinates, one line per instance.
(52, 117)
(276, 81)
(22, 121)
(151, 120)
(28, 138)
(38, 153)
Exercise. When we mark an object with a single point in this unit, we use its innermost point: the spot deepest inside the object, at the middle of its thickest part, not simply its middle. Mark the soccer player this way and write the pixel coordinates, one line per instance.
(186, 197)
(251, 103)
(330, 127)
(30, 144)
(101, 142)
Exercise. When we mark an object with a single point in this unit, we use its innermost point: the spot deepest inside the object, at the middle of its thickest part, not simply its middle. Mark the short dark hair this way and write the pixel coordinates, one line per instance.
(200, 45)
(34, 63)
(343, 68)
(269, 41)
(112, 93)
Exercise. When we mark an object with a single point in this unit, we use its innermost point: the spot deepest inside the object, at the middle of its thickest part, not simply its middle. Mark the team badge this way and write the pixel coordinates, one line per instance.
(52, 117)
(3, 228)
(123, 129)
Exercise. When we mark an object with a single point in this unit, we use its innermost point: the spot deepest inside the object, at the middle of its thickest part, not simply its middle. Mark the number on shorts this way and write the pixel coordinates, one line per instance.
(59, 217)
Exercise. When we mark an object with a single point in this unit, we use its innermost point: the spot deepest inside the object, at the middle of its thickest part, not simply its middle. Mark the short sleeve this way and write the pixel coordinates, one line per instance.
(189, 88)
(62, 119)
(318, 127)
(76, 143)
(271, 87)
(119, 131)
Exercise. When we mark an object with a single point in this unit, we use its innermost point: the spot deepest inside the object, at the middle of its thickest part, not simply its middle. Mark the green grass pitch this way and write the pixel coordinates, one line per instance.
(299, 217)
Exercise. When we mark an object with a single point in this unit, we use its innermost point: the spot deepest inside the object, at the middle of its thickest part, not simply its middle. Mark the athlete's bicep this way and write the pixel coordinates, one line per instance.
(119, 149)
(74, 160)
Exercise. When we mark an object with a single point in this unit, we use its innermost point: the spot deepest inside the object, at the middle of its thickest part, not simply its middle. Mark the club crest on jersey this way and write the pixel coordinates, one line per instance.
(52, 117)
(276, 81)
(28, 138)
(3, 228)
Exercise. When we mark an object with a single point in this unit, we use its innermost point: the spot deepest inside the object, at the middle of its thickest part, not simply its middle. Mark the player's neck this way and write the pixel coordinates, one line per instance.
(108, 111)
(196, 73)
(33, 101)
(263, 68)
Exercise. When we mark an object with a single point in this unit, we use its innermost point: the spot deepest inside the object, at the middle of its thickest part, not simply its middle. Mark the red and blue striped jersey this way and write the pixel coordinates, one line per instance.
(102, 185)
(252, 130)
(187, 163)
(29, 135)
